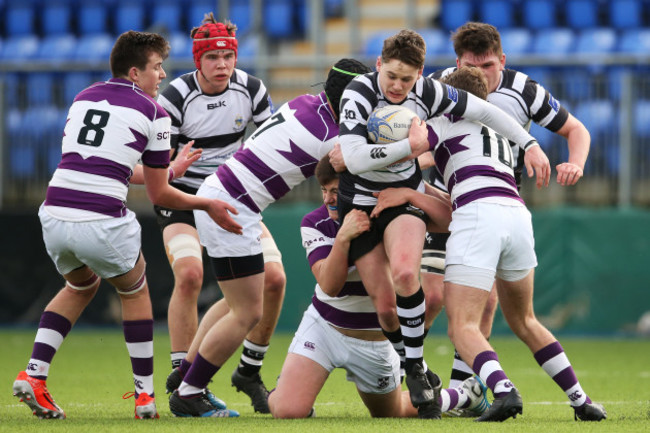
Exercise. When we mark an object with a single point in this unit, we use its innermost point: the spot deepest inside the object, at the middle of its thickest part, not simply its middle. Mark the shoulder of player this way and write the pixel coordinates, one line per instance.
(243, 81)
(315, 218)
(440, 73)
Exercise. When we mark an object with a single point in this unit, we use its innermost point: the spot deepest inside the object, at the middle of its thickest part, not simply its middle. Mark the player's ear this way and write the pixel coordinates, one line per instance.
(420, 71)
(502, 61)
(378, 63)
(134, 74)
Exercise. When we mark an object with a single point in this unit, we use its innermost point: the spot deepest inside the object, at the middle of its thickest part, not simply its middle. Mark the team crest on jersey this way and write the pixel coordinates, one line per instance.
(555, 105)
(452, 93)
(239, 121)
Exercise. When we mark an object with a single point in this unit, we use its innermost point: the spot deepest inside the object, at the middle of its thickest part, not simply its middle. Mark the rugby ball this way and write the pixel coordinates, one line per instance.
(389, 123)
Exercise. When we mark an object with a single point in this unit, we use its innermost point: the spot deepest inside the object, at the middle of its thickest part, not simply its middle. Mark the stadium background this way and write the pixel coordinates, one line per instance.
(593, 55)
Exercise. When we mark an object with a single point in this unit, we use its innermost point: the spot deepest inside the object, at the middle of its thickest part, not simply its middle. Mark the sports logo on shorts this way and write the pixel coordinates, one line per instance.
(310, 346)
(383, 382)
(452, 93)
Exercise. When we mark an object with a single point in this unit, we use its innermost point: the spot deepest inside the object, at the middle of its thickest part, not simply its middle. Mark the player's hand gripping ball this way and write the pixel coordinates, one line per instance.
(389, 123)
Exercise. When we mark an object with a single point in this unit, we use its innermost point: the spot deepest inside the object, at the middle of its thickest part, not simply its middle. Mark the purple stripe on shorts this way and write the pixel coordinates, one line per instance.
(303, 160)
(56, 322)
(140, 141)
(89, 201)
(548, 352)
(345, 319)
(272, 181)
(471, 196)
(465, 173)
(235, 188)
(95, 165)
(320, 123)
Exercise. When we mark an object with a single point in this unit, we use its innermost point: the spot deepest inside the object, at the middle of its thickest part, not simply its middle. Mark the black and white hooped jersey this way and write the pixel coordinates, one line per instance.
(281, 154)
(524, 100)
(111, 127)
(216, 122)
(352, 308)
(370, 170)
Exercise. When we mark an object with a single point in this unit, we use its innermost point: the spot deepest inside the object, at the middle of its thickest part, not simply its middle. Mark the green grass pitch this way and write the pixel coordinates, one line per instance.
(92, 371)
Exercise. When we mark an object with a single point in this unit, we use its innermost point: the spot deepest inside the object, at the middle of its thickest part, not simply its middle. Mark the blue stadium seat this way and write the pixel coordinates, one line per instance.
(19, 18)
(181, 46)
(167, 14)
(73, 83)
(455, 13)
(198, 8)
(40, 88)
(576, 83)
(600, 40)
(625, 14)
(57, 48)
(22, 155)
(129, 15)
(11, 81)
(539, 14)
(94, 47)
(53, 140)
(19, 48)
(598, 115)
(334, 8)
(581, 14)
(635, 41)
(499, 13)
(240, 14)
(516, 41)
(92, 17)
(56, 17)
(642, 118)
(278, 18)
(437, 40)
(543, 136)
(554, 42)
(375, 43)
(248, 47)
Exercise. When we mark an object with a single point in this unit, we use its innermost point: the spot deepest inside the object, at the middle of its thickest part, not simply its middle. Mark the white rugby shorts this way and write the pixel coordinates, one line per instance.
(110, 247)
(372, 365)
(221, 243)
(491, 236)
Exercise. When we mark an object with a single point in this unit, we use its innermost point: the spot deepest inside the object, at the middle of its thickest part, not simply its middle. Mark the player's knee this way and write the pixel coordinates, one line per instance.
(275, 280)
(287, 408)
(86, 288)
(405, 278)
(434, 300)
(189, 279)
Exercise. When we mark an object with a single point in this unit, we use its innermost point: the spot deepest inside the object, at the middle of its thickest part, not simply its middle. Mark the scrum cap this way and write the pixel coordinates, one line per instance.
(339, 77)
(212, 36)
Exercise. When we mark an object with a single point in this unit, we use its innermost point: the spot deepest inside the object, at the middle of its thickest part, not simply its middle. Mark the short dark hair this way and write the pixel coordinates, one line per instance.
(477, 38)
(339, 77)
(407, 46)
(134, 49)
(469, 79)
(325, 172)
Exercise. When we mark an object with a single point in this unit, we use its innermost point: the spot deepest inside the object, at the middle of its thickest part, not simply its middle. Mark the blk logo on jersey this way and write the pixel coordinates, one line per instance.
(378, 152)
(216, 105)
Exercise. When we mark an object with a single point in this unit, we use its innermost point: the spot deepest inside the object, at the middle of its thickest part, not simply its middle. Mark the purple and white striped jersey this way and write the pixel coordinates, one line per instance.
(476, 163)
(352, 308)
(111, 126)
(524, 100)
(281, 154)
